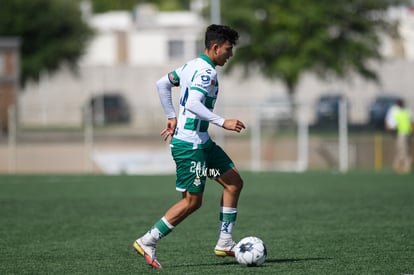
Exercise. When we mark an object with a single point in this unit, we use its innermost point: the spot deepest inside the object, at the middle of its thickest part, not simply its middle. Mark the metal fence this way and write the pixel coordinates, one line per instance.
(275, 139)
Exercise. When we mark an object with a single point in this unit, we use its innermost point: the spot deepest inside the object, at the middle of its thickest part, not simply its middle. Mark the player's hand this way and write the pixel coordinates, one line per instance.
(233, 125)
(168, 132)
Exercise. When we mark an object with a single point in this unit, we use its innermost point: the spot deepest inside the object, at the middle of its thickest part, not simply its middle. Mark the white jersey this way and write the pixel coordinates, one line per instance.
(198, 93)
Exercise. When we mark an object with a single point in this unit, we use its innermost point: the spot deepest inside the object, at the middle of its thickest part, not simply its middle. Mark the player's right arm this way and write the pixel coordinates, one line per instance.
(164, 85)
(168, 132)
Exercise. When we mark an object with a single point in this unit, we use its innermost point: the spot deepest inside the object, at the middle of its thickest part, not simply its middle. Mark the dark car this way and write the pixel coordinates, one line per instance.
(379, 108)
(109, 108)
(327, 109)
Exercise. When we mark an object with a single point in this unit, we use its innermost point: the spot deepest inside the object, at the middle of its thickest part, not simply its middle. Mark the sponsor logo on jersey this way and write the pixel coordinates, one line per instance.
(205, 79)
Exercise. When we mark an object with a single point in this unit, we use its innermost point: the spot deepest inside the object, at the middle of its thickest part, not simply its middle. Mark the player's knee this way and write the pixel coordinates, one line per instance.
(197, 205)
(236, 186)
(239, 184)
(194, 204)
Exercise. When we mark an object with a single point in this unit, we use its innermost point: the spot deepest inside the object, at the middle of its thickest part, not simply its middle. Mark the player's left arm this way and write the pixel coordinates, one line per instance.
(412, 121)
(196, 96)
(233, 124)
(194, 104)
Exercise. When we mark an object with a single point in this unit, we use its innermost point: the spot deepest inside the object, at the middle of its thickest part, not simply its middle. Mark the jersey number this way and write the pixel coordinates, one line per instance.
(184, 98)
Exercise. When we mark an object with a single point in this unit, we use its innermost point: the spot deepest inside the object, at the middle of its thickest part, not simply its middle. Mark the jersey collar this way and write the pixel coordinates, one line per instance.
(207, 59)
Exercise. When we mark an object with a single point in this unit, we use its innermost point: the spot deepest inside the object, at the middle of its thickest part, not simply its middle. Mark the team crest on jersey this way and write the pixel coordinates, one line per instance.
(197, 182)
(213, 82)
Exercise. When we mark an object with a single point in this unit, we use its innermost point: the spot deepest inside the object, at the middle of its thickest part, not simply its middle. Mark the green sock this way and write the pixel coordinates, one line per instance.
(159, 230)
(228, 217)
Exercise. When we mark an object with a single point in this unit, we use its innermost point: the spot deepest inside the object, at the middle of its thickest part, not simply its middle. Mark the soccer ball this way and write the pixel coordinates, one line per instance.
(250, 251)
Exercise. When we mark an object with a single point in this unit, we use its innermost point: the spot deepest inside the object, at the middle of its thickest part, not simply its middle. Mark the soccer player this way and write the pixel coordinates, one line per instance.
(404, 125)
(195, 154)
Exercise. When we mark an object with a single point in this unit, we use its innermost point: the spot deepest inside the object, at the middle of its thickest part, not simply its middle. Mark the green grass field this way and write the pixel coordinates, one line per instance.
(312, 223)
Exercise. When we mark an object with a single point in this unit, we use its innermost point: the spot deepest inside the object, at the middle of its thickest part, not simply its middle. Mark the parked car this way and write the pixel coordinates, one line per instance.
(379, 108)
(327, 109)
(108, 108)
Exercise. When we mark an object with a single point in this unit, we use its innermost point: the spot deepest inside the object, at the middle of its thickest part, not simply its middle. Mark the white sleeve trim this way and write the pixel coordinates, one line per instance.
(164, 92)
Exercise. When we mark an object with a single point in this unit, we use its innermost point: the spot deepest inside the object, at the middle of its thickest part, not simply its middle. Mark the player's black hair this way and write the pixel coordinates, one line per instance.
(220, 34)
(400, 103)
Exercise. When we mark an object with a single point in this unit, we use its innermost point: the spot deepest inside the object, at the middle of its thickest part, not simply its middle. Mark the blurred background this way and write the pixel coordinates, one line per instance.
(312, 80)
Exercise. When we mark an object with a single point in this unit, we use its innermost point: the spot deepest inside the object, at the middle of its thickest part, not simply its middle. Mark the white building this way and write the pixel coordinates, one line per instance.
(133, 49)
(128, 54)
(145, 38)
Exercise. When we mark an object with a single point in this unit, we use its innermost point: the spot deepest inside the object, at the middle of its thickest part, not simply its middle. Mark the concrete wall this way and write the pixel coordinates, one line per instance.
(58, 99)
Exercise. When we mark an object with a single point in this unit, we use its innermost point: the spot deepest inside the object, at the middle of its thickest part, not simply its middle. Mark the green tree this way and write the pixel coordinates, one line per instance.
(51, 32)
(100, 6)
(286, 38)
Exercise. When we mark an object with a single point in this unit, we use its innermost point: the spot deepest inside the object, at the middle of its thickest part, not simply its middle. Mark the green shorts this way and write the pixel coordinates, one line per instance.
(193, 166)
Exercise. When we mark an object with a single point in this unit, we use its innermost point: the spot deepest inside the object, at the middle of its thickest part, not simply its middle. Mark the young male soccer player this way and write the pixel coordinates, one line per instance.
(195, 154)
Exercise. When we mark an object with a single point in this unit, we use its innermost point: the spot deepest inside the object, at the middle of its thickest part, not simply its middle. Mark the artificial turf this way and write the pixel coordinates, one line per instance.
(311, 223)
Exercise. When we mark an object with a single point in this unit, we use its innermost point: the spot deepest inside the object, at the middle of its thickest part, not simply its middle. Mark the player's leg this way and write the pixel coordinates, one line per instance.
(146, 245)
(222, 168)
(232, 185)
(191, 184)
(406, 166)
(189, 203)
(399, 154)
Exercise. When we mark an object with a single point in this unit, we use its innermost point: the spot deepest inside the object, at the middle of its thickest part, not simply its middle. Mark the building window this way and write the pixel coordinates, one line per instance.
(176, 49)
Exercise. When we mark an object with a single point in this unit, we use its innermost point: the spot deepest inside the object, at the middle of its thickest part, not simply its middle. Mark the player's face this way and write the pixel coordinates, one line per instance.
(224, 52)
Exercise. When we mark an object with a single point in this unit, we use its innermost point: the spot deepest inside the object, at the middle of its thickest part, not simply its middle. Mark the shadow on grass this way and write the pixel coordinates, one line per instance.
(292, 260)
(268, 261)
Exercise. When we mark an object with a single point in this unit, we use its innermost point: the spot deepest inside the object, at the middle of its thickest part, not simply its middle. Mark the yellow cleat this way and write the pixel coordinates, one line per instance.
(148, 252)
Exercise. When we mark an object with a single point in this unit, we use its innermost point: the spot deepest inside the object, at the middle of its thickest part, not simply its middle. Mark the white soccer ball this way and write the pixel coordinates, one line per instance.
(250, 251)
